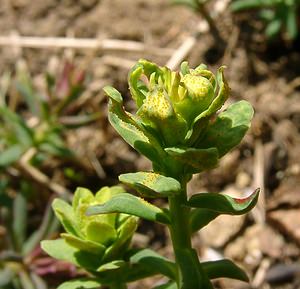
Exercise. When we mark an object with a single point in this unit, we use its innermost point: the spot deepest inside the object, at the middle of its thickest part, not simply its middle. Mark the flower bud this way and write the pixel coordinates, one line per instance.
(169, 102)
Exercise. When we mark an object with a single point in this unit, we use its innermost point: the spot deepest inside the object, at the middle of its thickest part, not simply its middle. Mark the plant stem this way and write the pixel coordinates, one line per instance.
(214, 29)
(186, 258)
(118, 286)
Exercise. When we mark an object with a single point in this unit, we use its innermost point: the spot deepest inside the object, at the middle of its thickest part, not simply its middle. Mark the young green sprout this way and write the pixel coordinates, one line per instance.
(178, 128)
(281, 16)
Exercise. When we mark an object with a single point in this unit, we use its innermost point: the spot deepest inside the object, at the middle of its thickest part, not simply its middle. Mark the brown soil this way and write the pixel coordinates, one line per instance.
(269, 157)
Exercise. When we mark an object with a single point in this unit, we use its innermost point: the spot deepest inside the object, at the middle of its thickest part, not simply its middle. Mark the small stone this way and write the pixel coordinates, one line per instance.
(220, 230)
(288, 221)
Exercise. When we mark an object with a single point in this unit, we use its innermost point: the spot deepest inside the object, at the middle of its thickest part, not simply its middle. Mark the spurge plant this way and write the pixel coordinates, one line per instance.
(178, 128)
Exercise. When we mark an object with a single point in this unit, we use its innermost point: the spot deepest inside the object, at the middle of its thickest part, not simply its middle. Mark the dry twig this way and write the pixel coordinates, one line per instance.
(82, 43)
(38, 176)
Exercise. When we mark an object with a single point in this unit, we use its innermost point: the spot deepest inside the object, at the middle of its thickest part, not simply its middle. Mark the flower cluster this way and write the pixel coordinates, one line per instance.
(176, 123)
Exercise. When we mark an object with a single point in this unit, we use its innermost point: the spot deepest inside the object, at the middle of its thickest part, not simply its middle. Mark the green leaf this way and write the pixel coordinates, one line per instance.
(6, 275)
(84, 245)
(200, 122)
(184, 68)
(120, 245)
(199, 218)
(192, 274)
(132, 205)
(61, 250)
(273, 28)
(195, 160)
(133, 133)
(113, 265)
(224, 269)
(82, 195)
(18, 127)
(224, 204)
(240, 5)
(100, 232)
(11, 155)
(151, 184)
(19, 220)
(64, 212)
(229, 128)
(153, 261)
(193, 4)
(291, 22)
(41, 232)
(169, 285)
(82, 283)
(134, 84)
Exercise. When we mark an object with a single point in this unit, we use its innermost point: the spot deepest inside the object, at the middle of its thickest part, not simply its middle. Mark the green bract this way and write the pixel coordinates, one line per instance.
(176, 125)
(106, 237)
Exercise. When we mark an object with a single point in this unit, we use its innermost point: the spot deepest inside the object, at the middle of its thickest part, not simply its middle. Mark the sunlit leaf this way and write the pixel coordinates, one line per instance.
(132, 205)
(224, 204)
(229, 128)
(151, 184)
(82, 283)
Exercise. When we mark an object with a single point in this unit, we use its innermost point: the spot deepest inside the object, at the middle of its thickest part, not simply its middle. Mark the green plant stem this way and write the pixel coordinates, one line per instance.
(119, 286)
(181, 240)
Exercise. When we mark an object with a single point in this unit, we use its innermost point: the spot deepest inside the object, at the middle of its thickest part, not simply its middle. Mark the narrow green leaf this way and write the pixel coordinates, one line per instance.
(18, 126)
(25, 280)
(6, 275)
(153, 261)
(11, 155)
(229, 128)
(224, 269)
(224, 204)
(132, 205)
(82, 283)
(273, 28)
(151, 184)
(38, 281)
(19, 220)
(291, 22)
(25, 87)
(240, 5)
(195, 160)
(40, 233)
(113, 94)
(64, 212)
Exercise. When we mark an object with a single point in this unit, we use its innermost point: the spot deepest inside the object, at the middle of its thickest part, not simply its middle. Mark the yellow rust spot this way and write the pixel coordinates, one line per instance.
(150, 179)
(157, 105)
(199, 86)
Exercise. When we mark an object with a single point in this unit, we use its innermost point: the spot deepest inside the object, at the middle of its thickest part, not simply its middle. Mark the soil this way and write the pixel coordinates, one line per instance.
(265, 242)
